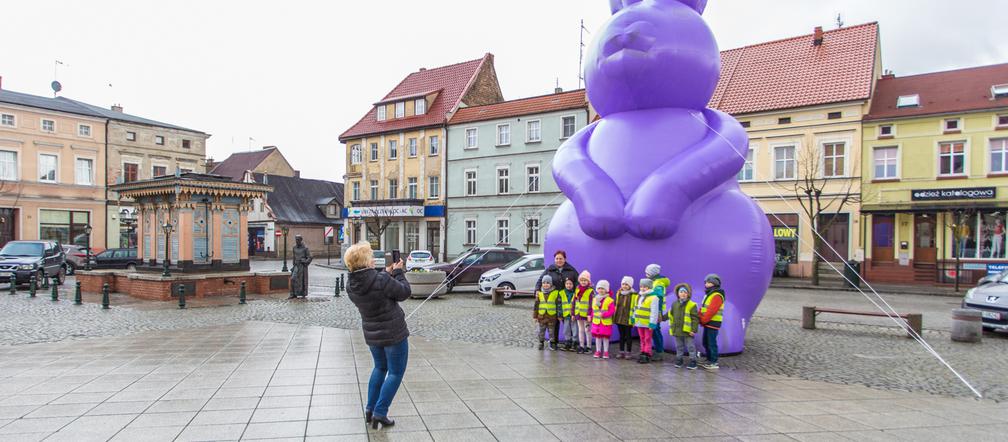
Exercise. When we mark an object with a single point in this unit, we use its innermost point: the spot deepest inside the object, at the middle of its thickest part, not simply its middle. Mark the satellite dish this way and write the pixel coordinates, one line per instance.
(56, 86)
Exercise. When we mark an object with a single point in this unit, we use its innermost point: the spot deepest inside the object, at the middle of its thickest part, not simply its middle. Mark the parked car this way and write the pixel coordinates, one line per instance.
(379, 259)
(520, 274)
(991, 298)
(419, 259)
(117, 259)
(44, 259)
(75, 258)
(469, 265)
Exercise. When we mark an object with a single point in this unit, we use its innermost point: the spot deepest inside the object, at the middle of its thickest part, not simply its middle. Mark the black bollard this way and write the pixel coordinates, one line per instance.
(44, 282)
(77, 294)
(55, 288)
(105, 296)
(337, 294)
(13, 284)
(181, 296)
(241, 293)
(342, 282)
(32, 286)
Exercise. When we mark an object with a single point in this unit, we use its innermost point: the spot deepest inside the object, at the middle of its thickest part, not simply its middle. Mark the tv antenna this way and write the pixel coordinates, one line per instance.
(839, 21)
(584, 30)
(55, 85)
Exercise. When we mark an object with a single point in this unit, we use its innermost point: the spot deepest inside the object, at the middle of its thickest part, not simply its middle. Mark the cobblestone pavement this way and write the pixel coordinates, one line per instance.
(856, 351)
(275, 381)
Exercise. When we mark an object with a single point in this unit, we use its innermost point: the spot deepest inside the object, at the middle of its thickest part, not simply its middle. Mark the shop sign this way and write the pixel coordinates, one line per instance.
(785, 233)
(966, 193)
(385, 212)
(974, 266)
(995, 268)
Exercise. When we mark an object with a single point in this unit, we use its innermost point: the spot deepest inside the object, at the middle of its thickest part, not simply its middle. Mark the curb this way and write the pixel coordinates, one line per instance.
(922, 291)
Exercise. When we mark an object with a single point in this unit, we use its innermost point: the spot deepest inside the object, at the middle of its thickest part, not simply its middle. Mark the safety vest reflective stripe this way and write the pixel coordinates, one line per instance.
(716, 319)
(687, 324)
(642, 316)
(583, 303)
(597, 318)
(547, 303)
(565, 306)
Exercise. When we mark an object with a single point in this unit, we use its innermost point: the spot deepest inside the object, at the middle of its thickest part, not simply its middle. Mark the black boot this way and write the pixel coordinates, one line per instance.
(553, 346)
(541, 345)
(384, 421)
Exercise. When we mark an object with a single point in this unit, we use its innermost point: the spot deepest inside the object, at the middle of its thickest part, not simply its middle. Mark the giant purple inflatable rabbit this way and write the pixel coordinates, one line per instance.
(653, 181)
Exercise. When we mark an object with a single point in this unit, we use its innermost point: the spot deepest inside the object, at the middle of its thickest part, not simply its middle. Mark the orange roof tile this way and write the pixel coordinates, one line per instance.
(524, 106)
(960, 90)
(793, 72)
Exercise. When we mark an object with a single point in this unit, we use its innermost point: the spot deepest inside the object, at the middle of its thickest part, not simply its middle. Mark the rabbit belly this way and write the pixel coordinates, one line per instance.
(723, 232)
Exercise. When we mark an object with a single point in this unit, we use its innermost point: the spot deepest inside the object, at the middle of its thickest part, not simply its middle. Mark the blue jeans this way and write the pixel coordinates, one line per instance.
(710, 344)
(658, 341)
(389, 367)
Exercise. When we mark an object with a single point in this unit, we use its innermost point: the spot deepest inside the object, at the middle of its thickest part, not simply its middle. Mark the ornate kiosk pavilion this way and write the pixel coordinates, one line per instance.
(192, 229)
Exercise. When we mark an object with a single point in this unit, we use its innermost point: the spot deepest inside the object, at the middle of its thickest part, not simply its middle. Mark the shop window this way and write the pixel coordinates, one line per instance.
(785, 234)
(992, 235)
(964, 236)
(412, 237)
(64, 226)
(952, 158)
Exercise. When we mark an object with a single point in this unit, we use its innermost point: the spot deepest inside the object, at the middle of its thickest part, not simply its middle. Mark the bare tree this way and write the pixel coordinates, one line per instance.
(824, 186)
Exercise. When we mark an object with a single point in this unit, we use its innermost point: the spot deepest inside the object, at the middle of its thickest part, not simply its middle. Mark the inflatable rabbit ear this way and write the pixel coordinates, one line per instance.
(696, 5)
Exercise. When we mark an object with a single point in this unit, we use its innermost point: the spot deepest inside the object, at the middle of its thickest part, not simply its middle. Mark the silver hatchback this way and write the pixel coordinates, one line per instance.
(990, 296)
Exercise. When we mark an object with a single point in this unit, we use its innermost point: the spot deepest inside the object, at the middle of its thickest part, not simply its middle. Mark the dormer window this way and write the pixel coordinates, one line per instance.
(381, 112)
(400, 109)
(951, 125)
(885, 131)
(999, 91)
(907, 101)
(420, 106)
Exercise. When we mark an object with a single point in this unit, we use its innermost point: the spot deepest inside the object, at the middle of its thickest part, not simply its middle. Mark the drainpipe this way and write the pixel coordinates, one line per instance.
(105, 190)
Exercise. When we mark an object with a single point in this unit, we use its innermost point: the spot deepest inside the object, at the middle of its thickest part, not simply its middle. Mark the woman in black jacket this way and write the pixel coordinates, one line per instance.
(561, 271)
(377, 296)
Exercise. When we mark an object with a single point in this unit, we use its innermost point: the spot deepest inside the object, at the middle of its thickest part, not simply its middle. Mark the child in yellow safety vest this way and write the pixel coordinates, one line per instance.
(684, 323)
(582, 307)
(563, 312)
(568, 324)
(544, 310)
(602, 311)
(645, 315)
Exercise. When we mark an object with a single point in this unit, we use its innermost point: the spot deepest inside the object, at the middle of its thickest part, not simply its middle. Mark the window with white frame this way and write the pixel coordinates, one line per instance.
(503, 231)
(7, 120)
(130, 136)
(47, 167)
(569, 126)
(355, 154)
(746, 174)
(420, 106)
(1001, 121)
(503, 180)
(393, 149)
(8, 165)
(951, 124)
(374, 151)
(503, 134)
(381, 112)
(374, 189)
(400, 109)
(907, 101)
(433, 187)
(48, 126)
(784, 163)
(434, 146)
(472, 138)
(886, 161)
(885, 130)
(393, 188)
(532, 230)
(999, 91)
(83, 130)
(833, 159)
(533, 131)
(999, 155)
(412, 149)
(355, 191)
(159, 140)
(532, 177)
(411, 188)
(952, 158)
(84, 171)
(470, 183)
(470, 229)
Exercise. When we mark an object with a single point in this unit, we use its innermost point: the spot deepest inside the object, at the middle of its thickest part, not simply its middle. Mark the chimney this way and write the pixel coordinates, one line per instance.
(269, 147)
(422, 69)
(209, 164)
(888, 74)
(558, 90)
(297, 174)
(817, 36)
(117, 108)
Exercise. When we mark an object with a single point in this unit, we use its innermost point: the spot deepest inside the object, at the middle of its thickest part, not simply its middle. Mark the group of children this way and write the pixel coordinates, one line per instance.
(588, 314)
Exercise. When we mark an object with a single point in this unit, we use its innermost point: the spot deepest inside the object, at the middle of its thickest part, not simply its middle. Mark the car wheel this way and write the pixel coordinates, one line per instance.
(451, 285)
(39, 278)
(507, 286)
(131, 267)
(61, 276)
(70, 268)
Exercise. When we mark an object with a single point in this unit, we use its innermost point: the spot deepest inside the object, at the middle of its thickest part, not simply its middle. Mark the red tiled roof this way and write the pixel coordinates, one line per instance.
(524, 106)
(960, 90)
(452, 82)
(793, 72)
(235, 165)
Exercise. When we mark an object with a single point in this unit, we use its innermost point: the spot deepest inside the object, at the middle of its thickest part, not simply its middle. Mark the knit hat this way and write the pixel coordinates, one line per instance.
(547, 280)
(683, 286)
(713, 278)
(584, 274)
(646, 283)
(602, 284)
(652, 270)
(627, 280)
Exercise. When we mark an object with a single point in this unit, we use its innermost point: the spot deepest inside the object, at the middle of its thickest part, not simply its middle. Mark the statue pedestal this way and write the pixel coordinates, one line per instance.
(155, 287)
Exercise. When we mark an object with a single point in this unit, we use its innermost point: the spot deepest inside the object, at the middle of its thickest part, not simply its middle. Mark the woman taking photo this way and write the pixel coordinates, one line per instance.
(377, 296)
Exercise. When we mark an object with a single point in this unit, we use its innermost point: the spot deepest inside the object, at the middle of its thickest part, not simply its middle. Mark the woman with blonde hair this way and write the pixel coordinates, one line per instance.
(377, 296)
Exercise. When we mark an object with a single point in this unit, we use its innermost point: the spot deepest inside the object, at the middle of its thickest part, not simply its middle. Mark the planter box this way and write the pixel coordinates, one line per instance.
(423, 284)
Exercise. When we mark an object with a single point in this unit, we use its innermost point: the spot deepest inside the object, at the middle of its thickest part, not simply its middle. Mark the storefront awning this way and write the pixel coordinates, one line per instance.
(944, 206)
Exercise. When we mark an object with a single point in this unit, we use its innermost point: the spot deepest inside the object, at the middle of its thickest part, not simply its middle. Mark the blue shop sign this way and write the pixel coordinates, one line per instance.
(995, 268)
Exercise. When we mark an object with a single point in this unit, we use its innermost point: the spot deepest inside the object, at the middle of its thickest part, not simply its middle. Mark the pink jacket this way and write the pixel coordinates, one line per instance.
(600, 330)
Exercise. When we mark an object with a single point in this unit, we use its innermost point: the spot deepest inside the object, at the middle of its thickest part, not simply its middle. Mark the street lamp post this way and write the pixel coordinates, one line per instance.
(285, 230)
(87, 250)
(167, 227)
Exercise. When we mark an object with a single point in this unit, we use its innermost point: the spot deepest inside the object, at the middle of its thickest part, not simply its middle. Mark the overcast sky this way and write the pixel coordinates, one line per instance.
(296, 73)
